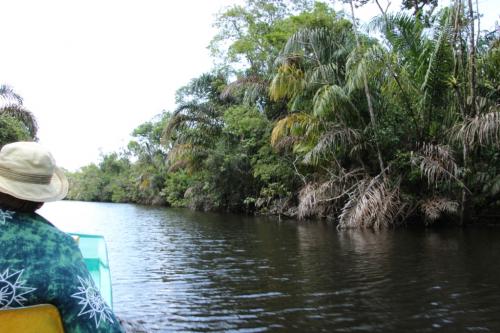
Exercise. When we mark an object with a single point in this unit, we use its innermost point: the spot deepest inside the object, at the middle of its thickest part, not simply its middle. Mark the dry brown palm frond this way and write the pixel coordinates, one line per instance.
(436, 162)
(179, 150)
(374, 203)
(484, 129)
(190, 192)
(434, 207)
(286, 143)
(179, 156)
(322, 198)
(307, 201)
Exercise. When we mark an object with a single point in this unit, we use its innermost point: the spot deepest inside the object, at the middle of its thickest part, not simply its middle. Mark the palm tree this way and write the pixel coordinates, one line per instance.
(191, 130)
(312, 77)
(14, 109)
(331, 126)
(8, 94)
(25, 117)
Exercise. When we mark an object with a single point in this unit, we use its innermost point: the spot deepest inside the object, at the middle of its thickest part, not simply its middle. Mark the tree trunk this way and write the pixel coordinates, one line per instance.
(478, 23)
(463, 208)
(457, 55)
(472, 112)
(415, 3)
(472, 60)
(368, 96)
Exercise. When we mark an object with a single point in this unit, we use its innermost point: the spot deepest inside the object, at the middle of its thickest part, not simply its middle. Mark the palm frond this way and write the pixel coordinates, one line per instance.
(328, 98)
(286, 143)
(8, 94)
(436, 162)
(295, 122)
(484, 129)
(374, 203)
(403, 31)
(191, 115)
(179, 151)
(252, 86)
(322, 199)
(314, 45)
(428, 58)
(307, 201)
(337, 137)
(435, 62)
(434, 208)
(323, 74)
(356, 70)
(180, 156)
(287, 83)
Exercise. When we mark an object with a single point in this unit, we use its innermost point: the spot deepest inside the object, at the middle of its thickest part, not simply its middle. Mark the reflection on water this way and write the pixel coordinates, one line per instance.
(177, 270)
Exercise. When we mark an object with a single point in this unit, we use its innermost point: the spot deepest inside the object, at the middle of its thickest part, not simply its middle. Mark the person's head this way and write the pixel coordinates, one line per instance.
(29, 177)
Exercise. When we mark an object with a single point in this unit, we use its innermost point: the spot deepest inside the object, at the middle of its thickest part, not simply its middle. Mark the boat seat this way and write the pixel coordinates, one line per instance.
(43, 318)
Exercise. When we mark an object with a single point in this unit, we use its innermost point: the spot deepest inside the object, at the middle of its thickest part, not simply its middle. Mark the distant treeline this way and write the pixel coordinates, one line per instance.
(306, 115)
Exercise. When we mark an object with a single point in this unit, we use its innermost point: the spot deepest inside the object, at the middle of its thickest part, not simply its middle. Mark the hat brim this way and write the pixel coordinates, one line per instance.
(57, 189)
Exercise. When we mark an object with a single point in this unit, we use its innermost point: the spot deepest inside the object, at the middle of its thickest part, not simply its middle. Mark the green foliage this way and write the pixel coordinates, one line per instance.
(86, 185)
(255, 33)
(16, 123)
(12, 130)
(245, 122)
(108, 181)
(176, 185)
(419, 7)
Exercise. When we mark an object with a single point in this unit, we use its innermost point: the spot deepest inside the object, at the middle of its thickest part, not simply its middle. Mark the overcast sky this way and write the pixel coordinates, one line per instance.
(93, 70)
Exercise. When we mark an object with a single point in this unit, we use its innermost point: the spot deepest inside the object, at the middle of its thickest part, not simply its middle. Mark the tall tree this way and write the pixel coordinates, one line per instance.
(368, 94)
(17, 122)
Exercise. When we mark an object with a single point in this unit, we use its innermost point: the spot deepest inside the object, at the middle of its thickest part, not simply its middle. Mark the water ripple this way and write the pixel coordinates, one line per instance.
(181, 271)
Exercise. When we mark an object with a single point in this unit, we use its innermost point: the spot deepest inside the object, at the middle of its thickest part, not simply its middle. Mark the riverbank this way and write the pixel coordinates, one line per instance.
(489, 218)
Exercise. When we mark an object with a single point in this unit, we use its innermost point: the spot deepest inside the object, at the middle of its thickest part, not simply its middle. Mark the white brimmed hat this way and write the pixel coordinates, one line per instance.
(29, 172)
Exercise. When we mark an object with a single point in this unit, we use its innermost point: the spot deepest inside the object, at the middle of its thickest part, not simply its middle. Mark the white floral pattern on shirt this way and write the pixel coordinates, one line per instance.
(92, 302)
(12, 289)
(6, 215)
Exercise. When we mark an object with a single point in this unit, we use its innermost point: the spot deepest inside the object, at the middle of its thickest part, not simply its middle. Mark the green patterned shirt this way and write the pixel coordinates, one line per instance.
(41, 264)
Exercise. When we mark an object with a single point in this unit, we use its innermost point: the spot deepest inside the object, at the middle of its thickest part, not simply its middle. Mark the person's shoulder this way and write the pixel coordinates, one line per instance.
(50, 228)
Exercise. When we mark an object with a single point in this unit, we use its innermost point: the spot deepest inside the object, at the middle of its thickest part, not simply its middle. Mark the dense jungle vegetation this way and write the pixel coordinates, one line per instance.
(307, 114)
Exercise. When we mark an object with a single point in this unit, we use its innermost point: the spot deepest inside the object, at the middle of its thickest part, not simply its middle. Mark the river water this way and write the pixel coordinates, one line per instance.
(183, 271)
